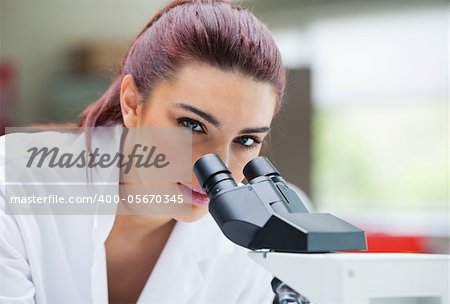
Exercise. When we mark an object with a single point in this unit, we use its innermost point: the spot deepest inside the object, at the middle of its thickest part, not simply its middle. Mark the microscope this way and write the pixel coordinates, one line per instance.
(306, 251)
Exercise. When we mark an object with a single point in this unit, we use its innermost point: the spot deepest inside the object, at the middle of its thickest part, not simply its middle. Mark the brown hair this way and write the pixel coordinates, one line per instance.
(216, 32)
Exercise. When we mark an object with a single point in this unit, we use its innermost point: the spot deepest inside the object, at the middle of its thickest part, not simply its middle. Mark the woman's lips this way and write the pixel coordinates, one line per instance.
(198, 198)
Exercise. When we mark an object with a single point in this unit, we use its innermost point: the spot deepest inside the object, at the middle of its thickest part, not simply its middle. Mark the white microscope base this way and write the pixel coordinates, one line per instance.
(362, 278)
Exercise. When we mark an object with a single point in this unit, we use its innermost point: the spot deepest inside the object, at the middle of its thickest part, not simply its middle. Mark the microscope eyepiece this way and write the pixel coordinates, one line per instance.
(259, 166)
(212, 173)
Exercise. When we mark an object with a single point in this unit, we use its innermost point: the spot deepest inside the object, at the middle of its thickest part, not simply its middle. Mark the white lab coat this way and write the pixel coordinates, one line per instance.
(61, 258)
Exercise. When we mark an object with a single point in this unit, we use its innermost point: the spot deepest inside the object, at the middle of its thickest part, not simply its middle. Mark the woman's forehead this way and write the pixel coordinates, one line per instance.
(223, 92)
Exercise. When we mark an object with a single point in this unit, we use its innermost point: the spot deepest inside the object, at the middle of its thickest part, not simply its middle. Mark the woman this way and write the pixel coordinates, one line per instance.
(207, 66)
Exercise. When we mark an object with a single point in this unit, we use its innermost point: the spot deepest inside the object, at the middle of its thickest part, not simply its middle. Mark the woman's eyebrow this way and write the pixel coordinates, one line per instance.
(214, 121)
(206, 116)
(255, 130)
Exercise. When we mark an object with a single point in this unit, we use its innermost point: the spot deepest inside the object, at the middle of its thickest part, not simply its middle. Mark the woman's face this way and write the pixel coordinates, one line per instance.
(228, 113)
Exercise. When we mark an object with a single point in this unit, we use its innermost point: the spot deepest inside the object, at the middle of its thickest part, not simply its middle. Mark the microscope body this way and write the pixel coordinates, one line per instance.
(267, 214)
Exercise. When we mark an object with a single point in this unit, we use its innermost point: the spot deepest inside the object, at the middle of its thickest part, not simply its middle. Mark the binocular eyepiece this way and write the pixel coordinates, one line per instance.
(214, 176)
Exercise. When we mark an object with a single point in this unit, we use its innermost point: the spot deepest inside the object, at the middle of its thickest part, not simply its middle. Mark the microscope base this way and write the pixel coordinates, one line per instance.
(362, 278)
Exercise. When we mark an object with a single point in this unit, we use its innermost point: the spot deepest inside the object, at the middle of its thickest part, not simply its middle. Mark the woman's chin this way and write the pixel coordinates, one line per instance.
(196, 213)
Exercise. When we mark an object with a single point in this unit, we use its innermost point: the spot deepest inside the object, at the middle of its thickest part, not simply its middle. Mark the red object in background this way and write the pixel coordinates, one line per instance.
(8, 94)
(378, 242)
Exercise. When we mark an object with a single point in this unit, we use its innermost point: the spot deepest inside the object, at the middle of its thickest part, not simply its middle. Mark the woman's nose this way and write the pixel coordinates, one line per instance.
(221, 151)
(224, 156)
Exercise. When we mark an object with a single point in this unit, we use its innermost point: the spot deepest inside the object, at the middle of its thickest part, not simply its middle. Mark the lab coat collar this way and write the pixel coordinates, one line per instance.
(107, 139)
(179, 272)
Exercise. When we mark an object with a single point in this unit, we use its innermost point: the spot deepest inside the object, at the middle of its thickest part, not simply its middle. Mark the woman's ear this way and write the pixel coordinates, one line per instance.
(130, 98)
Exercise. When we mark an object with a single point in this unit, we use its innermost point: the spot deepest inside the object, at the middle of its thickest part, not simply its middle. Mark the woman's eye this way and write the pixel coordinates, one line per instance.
(194, 125)
(248, 142)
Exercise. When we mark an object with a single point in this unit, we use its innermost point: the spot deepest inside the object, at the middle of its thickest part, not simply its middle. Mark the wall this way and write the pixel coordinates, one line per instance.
(35, 35)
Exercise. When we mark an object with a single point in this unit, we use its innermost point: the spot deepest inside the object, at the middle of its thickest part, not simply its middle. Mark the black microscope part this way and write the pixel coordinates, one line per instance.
(267, 214)
(259, 166)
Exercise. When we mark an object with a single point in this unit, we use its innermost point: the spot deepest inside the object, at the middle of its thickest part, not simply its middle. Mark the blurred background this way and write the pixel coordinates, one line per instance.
(364, 131)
